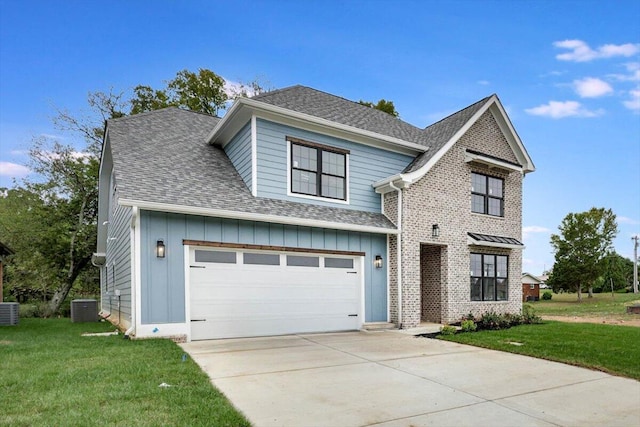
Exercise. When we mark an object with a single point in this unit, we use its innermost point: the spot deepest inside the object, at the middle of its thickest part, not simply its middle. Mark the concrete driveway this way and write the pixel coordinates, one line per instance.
(386, 378)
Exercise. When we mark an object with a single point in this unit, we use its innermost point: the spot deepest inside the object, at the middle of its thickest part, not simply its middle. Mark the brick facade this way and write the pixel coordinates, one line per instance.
(435, 271)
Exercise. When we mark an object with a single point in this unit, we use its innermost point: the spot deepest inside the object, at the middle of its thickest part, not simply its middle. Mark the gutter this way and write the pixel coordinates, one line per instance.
(399, 249)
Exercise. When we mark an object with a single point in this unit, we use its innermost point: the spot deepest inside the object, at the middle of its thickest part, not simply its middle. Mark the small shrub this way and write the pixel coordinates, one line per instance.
(491, 321)
(469, 325)
(469, 317)
(547, 295)
(529, 315)
(448, 330)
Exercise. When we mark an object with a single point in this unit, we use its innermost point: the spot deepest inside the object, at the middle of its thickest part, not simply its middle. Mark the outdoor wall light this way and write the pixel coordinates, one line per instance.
(378, 261)
(160, 249)
(435, 231)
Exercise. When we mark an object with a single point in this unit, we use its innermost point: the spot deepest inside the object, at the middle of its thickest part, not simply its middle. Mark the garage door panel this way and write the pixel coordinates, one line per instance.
(236, 300)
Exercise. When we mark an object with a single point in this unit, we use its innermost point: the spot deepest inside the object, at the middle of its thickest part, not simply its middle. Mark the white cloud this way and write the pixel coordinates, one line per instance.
(581, 52)
(484, 82)
(233, 89)
(591, 87)
(559, 110)
(634, 102)
(531, 229)
(627, 220)
(13, 170)
(633, 75)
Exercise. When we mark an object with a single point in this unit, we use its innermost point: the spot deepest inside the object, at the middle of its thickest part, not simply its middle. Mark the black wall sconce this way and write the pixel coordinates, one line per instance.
(378, 261)
(160, 249)
(435, 231)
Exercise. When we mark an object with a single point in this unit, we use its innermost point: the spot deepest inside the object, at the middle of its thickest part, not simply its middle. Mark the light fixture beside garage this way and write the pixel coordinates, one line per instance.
(378, 261)
(435, 231)
(160, 249)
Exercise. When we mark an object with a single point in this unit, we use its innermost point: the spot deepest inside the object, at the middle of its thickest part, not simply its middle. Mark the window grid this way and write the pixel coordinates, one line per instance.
(487, 195)
(308, 162)
(489, 277)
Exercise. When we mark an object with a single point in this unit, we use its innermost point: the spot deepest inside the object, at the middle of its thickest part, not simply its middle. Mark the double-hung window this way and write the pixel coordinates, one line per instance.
(489, 277)
(318, 170)
(487, 194)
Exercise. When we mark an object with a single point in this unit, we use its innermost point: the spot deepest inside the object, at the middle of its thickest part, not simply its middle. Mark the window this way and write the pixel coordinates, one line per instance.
(489, 277)
(532, 286)
(338, 262)
(303, 261)
(487, 195)
(261, 259)
(317, 170)
(215, 257)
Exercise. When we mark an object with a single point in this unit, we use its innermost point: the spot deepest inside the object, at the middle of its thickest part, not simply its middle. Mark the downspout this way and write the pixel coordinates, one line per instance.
(132, 240)
(399, 255)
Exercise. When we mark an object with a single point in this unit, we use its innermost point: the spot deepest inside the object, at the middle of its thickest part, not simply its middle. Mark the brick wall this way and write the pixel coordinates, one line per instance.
(443, 197)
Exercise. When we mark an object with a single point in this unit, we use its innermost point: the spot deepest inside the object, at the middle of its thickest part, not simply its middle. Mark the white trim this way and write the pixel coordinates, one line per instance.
(406, 179)
(473, 242)
(492, 163)
(363, 289)
(286, 116)
(316, 198)
(137, 266)
(254, 157)
(187, 289)
(162, 330)
(388, 287)
(250, 216)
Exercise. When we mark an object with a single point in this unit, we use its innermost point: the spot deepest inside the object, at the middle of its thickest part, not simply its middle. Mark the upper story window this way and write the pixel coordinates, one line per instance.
(318, 170)
(487, 194)
(489, 277)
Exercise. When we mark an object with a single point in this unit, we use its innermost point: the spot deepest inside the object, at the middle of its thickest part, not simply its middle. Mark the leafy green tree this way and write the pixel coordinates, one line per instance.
(203, 91)
(581, 248)
(382, 105)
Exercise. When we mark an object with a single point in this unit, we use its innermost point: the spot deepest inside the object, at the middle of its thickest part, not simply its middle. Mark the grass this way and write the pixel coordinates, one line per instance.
(601, 305)
(51, 375)
(609, 348)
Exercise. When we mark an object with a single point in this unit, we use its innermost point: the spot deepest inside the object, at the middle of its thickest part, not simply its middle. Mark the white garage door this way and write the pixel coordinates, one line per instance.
(239, 293)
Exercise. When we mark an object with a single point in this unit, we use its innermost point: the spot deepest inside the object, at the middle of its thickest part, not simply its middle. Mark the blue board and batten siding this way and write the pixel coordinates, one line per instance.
(366, 166)
(163, 287)
(239, 152)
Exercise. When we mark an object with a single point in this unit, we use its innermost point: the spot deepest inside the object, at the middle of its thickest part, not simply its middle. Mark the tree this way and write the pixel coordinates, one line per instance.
(203, 91)
(382, 105)
(584, 241)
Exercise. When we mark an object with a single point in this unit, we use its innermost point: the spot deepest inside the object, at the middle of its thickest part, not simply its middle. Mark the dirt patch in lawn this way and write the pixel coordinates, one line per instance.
(595, 319)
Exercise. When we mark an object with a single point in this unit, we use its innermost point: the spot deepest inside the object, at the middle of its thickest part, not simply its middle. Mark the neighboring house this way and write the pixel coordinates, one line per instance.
(530, 287)
(301, 211)
(5, 251)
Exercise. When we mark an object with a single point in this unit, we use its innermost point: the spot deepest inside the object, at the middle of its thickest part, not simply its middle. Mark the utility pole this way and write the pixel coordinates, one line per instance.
(635, 264)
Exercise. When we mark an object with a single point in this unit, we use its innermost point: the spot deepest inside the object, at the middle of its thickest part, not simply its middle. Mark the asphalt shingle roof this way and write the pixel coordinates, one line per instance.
(340, 110)
(162, 156)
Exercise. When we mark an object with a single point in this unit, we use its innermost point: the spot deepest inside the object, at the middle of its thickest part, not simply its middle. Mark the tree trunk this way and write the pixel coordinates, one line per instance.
(580, 292)
(61, 294)
(590, 291)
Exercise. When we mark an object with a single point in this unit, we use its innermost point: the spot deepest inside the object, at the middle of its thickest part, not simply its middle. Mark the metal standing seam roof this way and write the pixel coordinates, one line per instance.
(494, 239)
(162, 157)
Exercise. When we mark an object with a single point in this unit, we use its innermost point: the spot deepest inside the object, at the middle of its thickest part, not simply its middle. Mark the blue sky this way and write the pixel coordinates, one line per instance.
(568, 73)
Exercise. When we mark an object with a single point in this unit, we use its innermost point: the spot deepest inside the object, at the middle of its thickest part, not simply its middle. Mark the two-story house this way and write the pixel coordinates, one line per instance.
(301, 211)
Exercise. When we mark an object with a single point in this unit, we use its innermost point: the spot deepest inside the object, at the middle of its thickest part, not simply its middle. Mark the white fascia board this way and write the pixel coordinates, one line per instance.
(250, 216)
(416, 175)
(472, 242)
(104, 179)
(492, 163)
(512, 136)
(246, 107)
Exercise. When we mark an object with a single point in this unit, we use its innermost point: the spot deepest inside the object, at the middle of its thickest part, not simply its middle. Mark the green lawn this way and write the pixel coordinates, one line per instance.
(51, 375)
(603, 305)
(610, 348)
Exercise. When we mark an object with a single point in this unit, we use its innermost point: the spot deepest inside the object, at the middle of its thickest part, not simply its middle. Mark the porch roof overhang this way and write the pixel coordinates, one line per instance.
(477, 239)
